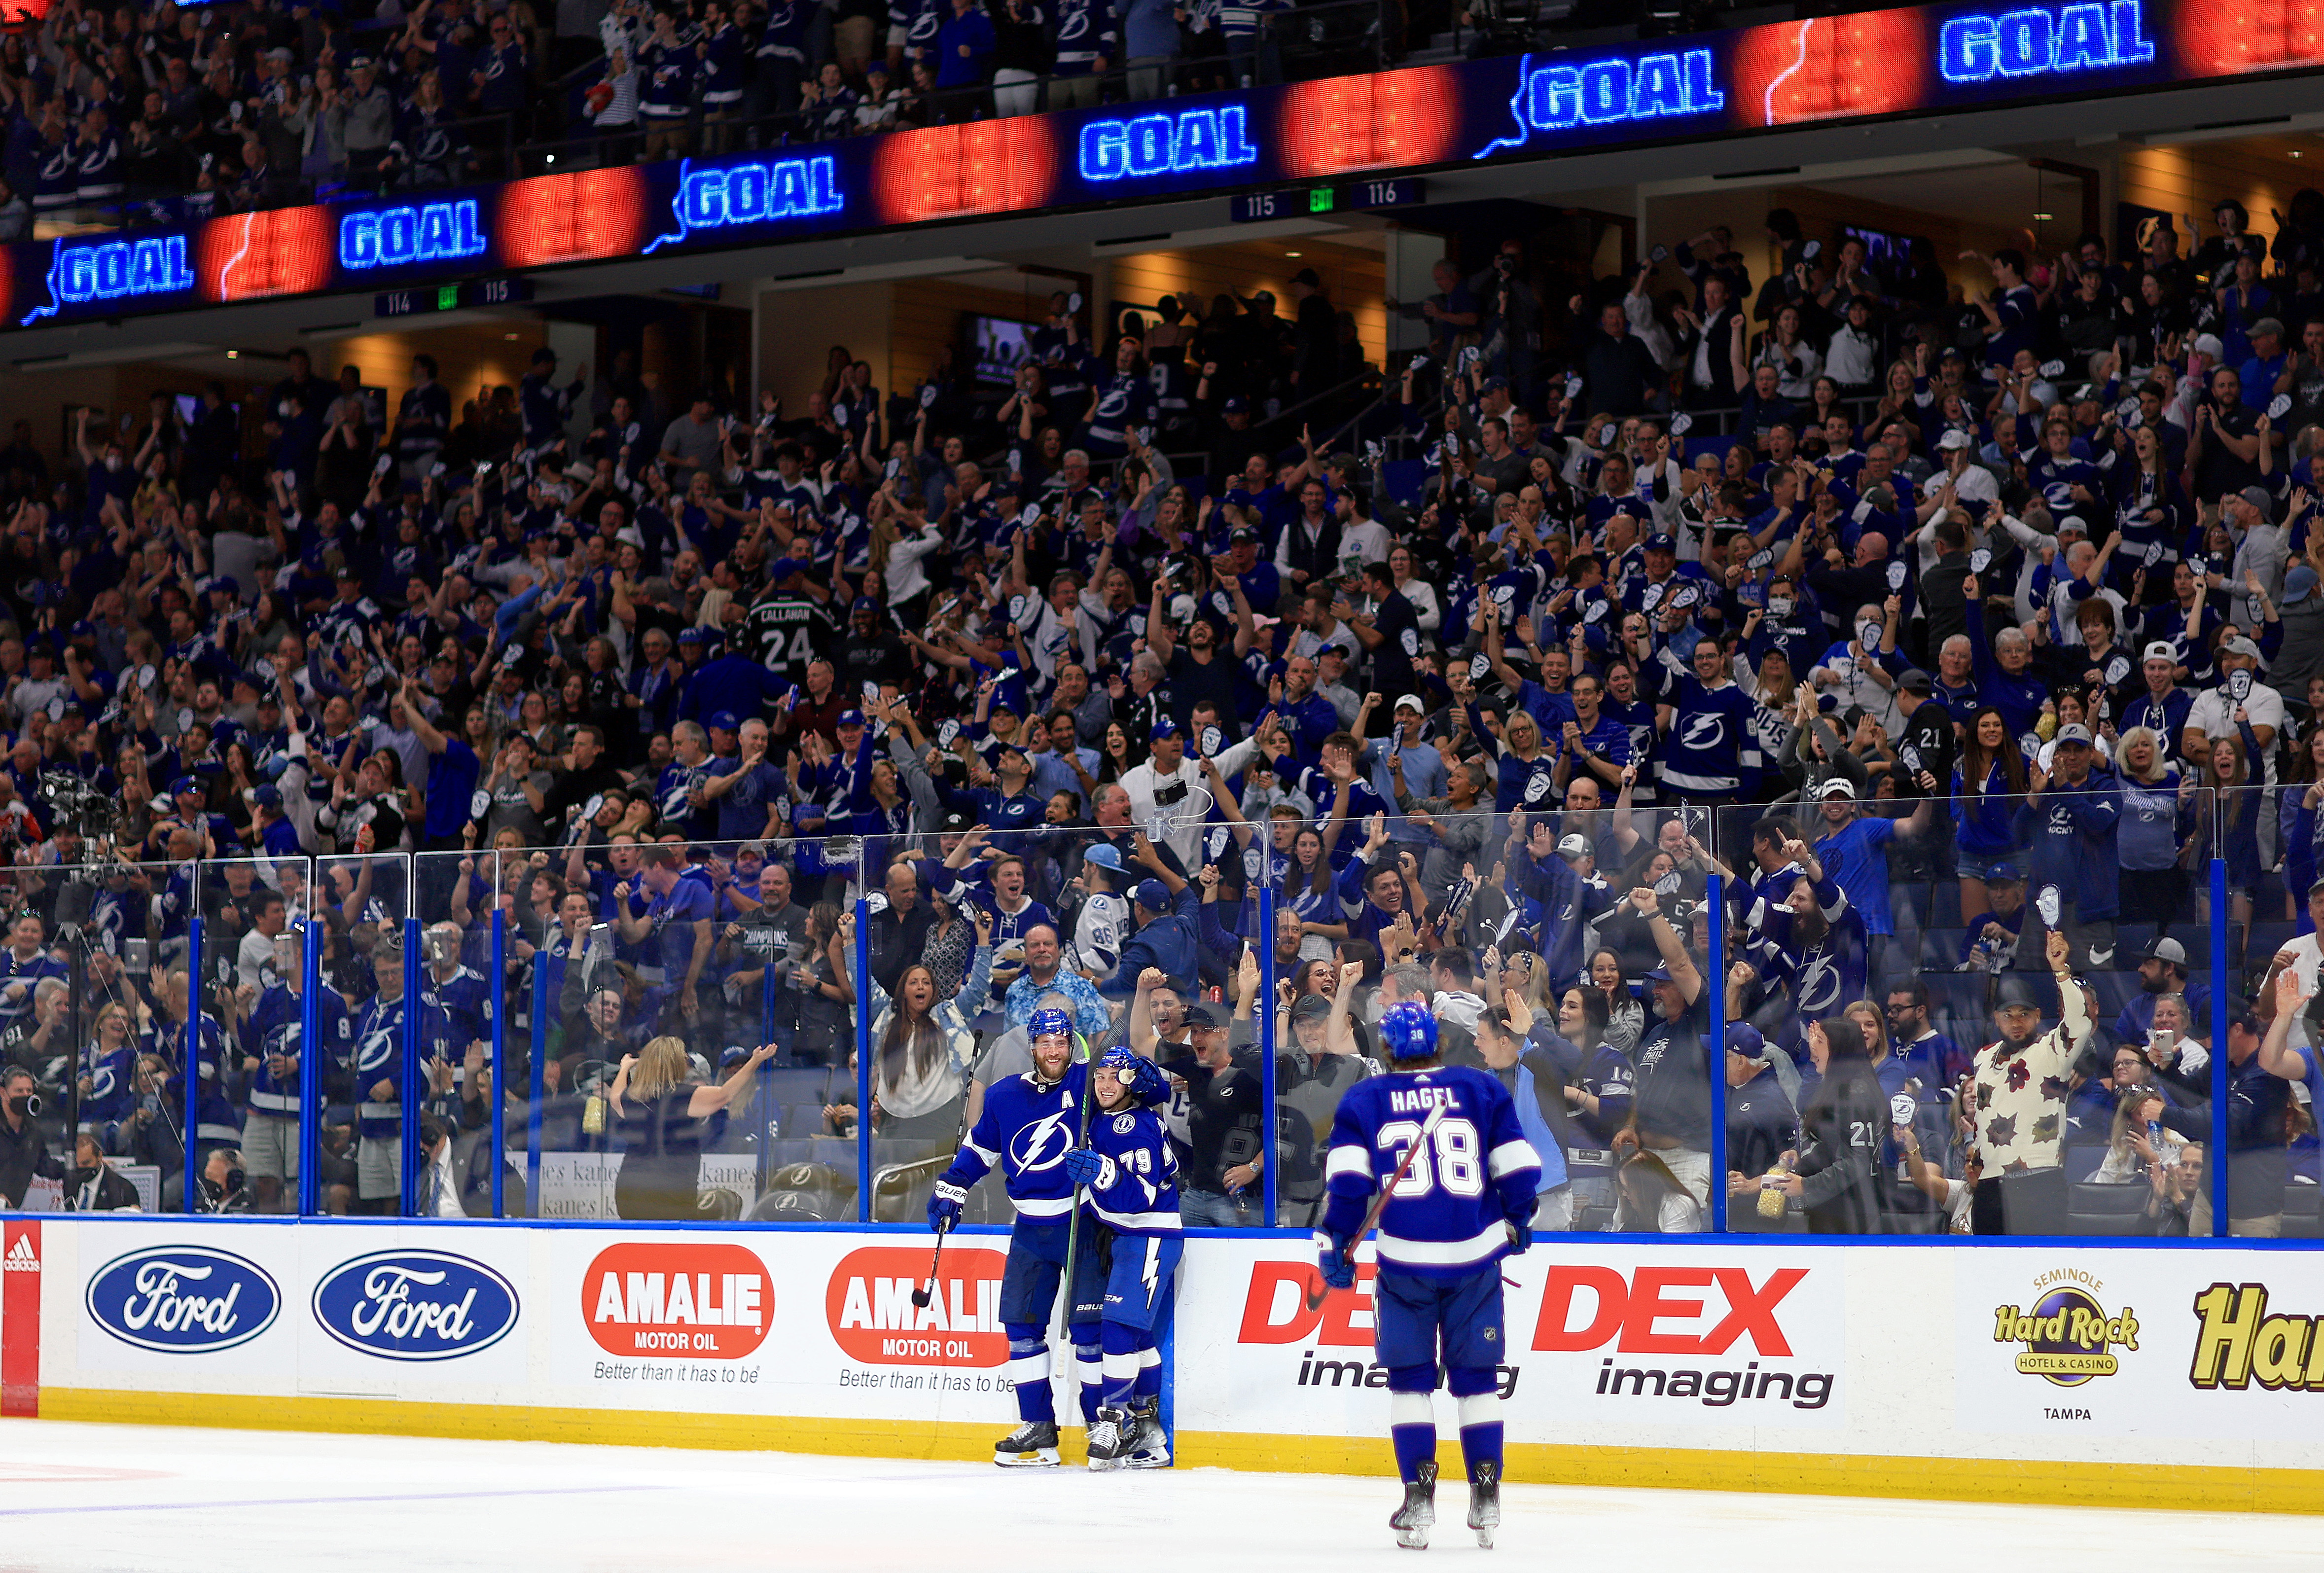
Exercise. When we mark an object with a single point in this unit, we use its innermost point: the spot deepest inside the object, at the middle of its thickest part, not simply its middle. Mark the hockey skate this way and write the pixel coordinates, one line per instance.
(1110, 1439)
(1031, 1446)
(1148, 1445)
(1485, 1502)
(1418, 1516)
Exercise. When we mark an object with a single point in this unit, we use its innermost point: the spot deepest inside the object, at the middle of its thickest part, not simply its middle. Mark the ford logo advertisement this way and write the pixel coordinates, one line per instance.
(415, 1305)
(183, 1299)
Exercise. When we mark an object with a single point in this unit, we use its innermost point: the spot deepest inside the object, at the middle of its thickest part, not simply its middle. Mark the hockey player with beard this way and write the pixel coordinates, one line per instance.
(1029, 1126)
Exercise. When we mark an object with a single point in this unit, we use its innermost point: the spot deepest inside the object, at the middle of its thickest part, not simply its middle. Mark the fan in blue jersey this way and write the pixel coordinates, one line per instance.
(1132, 1176)
(1814, 941)
(1466, 1201)
(1709, 752)
(272, 1035)
(376, 1057)
(1029, 1127)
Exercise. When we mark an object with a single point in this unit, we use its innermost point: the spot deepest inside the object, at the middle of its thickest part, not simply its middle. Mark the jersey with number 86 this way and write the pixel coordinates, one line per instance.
(1473, 1174)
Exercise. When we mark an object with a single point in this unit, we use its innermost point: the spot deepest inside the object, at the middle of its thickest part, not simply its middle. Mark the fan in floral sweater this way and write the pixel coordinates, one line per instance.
(2021, 1080)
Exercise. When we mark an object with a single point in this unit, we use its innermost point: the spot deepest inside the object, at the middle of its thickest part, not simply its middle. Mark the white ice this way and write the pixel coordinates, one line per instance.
(124, 1499)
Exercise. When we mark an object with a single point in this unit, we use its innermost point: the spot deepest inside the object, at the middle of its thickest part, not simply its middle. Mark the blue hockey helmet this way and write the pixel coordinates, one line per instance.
(1049, 1022)
(1140, 1077)
(1410, 1031)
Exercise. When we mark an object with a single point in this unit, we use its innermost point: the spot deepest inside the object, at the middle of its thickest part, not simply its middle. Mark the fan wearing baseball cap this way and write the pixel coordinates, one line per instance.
(1164, 909)
(2164, 706)
(2071, 816)
(2162, 969)
(2217, 713)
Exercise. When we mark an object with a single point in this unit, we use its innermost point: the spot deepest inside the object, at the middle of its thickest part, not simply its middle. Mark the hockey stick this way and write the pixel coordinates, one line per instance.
(921, 1295)
(1073, 1216)
(1380, 1203)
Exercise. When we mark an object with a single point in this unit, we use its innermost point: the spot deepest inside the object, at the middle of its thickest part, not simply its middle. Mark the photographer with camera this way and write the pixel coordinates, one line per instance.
(23, 1157)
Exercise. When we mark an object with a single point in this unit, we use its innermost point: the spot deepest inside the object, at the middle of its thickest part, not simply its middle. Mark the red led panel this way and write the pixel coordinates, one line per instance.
(2219, 38)
(1389, 120)
(582, 216)
(248, 256)
(1832, 66)
(980, 166)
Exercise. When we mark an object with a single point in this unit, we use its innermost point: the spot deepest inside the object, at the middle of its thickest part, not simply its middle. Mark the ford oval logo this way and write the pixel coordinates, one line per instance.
(415, 1305)
(183, 1299)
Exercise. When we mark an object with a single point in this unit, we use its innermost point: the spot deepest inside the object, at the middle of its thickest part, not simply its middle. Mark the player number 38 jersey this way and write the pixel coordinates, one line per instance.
(1475, 1173)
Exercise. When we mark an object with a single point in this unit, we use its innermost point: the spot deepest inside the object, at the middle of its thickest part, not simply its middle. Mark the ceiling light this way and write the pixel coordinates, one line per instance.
(1291, 253)
(234, 354)
(510, 337)
(2042, 218)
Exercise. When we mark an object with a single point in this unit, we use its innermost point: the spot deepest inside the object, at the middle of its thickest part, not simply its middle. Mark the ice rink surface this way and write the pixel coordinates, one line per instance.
(116, 1499)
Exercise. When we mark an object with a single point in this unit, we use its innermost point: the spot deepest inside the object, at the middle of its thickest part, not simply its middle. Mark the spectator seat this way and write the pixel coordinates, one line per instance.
(2092, 1209)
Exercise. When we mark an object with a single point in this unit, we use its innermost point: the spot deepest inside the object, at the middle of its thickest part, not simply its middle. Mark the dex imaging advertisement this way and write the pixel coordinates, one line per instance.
(1627, 1339)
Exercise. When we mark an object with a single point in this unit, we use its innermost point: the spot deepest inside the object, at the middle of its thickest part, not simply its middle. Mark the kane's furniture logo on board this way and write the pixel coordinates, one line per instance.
(869, 1304)
(2067, 1337)
(183, 1299)
(415, 1305)
(2239, 1343)
(704, 1302)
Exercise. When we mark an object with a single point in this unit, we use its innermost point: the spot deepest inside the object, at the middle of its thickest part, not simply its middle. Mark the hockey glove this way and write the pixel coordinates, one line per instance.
(944, 1206)
(1520, 1237)
(1084, 1167)
(1335, 1260)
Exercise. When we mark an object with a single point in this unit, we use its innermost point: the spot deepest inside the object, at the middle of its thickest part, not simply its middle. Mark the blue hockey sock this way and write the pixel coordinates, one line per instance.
(1029, 1368)
(1089, 1360)
(1480, 1432)
(1412, 1426)
(1121, 1365)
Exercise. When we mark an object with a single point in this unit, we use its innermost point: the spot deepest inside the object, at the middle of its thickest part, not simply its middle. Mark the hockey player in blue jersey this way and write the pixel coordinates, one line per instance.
(1132, 1176)
(1029, 1125)
(1466, 1201)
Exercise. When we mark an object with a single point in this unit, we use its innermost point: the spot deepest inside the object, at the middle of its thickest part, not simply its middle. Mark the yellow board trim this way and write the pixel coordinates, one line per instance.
(2209, 1489)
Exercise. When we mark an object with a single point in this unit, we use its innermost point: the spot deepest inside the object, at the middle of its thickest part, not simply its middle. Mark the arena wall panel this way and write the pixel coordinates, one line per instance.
(2054, 1372)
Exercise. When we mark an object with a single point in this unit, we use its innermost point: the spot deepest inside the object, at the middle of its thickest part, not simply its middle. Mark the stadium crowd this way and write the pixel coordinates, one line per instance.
(1959, 662)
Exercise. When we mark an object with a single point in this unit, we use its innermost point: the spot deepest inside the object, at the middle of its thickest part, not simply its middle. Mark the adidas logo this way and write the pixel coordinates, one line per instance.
(22, 1257)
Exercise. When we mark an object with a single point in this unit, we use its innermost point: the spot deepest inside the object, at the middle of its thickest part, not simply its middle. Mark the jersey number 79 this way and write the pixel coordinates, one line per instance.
(1458, 1165)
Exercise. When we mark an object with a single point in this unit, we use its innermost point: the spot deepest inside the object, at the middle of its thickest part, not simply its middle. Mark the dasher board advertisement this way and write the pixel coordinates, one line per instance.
(2161, 1344)
(1611, 1337)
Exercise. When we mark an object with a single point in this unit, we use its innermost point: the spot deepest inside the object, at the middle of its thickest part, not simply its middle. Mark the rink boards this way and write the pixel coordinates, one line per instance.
(2184, 1376)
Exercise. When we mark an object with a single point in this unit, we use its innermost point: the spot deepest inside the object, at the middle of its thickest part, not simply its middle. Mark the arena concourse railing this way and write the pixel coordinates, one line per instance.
(1567, 948)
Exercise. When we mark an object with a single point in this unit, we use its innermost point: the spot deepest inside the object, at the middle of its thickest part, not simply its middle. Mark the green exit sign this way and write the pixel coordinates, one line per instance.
(447, 296)
(1319, 200)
